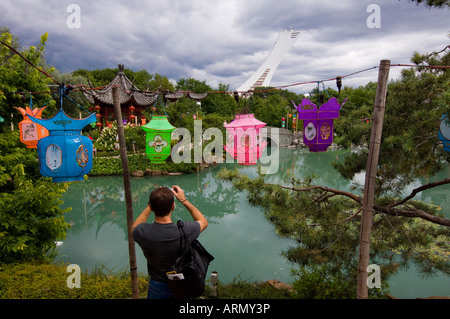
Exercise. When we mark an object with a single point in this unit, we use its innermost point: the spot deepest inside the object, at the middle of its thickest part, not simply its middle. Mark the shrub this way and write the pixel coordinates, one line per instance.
(106, 166)
(108, 138)
(319, 283)
(47, 281)
(30, 216)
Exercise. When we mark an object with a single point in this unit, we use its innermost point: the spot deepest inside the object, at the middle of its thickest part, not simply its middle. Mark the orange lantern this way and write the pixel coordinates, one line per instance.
(31, 133)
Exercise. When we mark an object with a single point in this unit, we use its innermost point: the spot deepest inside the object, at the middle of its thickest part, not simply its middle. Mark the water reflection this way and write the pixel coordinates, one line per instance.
(240, 238)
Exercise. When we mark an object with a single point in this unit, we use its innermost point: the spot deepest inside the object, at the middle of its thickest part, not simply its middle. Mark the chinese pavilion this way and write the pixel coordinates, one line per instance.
(132, 100)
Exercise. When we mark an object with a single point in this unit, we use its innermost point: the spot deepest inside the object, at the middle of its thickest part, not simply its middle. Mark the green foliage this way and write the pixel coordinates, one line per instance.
(326, 228)
(270, 110)
(70, 108)
(18, 76)
(433, 3)
(46, 281)
(107, 139)
(142, 79)
(181, 113)
(354, 124)
(220, 103)
(106, 166)
(410, 147)
(30, 218)
(318, 283)
(244, 289)
(270, 106)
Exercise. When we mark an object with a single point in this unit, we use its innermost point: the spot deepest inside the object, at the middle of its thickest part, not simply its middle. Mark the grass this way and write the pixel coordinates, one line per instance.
(49, 281)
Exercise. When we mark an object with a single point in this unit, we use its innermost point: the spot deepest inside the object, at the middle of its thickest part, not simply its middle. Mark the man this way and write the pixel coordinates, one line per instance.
(160, 241)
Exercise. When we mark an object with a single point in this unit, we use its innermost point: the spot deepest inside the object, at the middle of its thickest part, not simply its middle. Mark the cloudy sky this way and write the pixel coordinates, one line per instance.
(225, 41)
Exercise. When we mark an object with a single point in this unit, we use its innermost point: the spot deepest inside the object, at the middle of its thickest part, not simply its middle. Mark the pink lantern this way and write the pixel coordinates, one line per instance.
(244, 139)
(318, 123)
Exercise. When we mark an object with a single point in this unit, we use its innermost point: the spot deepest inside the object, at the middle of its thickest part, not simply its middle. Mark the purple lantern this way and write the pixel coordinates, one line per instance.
(244, 141)
(318, 123)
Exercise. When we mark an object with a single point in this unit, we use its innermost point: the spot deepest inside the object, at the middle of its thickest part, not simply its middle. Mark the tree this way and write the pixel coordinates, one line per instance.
(142, 79)
(220, 103)
(192, 85)
(271, 106)
(326, 222)
(72, 108)
(433, 3)
(30, 218)
(410, 147)
(18, 78)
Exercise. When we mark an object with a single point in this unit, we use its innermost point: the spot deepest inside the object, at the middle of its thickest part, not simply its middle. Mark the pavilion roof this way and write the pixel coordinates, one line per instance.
(128, 94)
(174, 96)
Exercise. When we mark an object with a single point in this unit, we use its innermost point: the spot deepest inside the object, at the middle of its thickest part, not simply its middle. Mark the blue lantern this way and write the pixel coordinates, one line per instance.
(444, 132)
(65, 155)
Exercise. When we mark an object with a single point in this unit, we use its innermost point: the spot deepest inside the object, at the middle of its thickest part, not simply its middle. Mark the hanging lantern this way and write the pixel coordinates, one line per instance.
(30, 132)
(318, 123)
(158, 138)
(244, 139)
(444, 132)
(132, 116)
(339, 83)
(283, 122)
(65, 155)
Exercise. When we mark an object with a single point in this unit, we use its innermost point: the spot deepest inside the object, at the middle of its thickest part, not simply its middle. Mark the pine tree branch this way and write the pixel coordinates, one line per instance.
(389, 210)
(323, 188)
(420, 189)
(412, 213)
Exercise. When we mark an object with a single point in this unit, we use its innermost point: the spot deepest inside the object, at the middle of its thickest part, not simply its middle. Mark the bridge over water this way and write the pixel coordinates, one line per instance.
(279, 136)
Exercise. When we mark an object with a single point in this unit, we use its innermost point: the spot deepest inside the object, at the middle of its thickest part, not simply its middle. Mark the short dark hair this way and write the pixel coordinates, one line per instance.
(161, 201)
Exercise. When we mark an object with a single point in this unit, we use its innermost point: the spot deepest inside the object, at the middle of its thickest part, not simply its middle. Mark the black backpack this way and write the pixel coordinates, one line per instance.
(187, 275)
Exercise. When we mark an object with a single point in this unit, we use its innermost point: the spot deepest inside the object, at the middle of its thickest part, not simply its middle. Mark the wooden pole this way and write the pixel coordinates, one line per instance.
(371, 174)
(128, 199)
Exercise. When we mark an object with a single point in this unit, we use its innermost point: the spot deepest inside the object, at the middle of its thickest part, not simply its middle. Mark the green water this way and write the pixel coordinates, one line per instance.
(242, 241)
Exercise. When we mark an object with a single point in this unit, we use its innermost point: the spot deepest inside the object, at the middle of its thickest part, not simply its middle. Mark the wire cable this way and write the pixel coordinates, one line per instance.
(229, 92)
(27, 61)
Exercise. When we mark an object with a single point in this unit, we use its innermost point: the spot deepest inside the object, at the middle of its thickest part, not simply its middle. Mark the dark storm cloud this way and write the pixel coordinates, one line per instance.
(226, 41)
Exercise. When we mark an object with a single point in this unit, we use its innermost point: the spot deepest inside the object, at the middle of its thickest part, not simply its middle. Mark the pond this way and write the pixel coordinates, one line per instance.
(243, 242)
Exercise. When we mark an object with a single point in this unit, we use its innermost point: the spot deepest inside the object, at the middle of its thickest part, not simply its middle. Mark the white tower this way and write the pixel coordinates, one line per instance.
(264, 74)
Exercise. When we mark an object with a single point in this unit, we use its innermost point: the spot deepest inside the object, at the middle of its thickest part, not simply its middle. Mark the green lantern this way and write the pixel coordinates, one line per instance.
(158, 138)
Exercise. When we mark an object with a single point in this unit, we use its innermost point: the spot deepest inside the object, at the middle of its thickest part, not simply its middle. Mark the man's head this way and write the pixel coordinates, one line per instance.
(161, 201)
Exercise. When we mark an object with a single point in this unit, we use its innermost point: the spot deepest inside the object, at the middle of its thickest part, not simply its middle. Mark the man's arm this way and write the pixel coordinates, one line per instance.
(195, 213)
(142, 218)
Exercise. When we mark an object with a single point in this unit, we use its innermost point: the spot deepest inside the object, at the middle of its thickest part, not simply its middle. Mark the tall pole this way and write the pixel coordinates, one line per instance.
(127, 186)
(371, 174)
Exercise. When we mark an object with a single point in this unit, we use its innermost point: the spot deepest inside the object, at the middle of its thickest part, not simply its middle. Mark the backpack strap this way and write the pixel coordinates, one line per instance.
(184, 244)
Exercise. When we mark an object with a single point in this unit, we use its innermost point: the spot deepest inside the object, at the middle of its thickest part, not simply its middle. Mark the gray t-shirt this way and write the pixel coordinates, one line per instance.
(160, 244)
